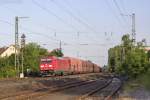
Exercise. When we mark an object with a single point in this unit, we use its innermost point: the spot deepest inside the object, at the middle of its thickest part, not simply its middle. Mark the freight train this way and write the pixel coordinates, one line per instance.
(66, 66)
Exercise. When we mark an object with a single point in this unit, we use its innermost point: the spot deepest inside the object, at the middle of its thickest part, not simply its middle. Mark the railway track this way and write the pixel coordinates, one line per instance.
(26, 92)
(105, 92)
(72, 84)
(49, 77)
(37, 84)
(44, 91)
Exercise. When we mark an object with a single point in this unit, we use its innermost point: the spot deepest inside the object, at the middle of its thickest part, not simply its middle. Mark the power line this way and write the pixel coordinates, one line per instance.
(29, 31)
(116, 4)
(133, 33)
(81, 17)
(6, 22)
(76, 10)
(37, 33)
(119, 9)
(72, 15)
(47, 36)
(78, 19)
(94, 56)
(113, 12)
(37, 23)
(52, 13)
(47, 27)
(59, 18)
(123, 6)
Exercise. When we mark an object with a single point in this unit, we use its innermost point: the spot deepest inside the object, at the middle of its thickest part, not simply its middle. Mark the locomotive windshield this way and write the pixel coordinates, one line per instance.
(46, 60)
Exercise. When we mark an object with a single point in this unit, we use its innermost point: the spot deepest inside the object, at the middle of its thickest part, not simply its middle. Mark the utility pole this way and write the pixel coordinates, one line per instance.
(78, 54)
(78, 35)
(17, 49)
(133, 33)
(144, 41)
(60, 45)
(22, 52)
(55, 34)
(16, 46)
(133, 29)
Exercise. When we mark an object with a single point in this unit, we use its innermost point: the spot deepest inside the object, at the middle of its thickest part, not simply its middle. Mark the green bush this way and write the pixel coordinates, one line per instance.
(128, 59)
(32, 54)
(145, 80)
(7, 72)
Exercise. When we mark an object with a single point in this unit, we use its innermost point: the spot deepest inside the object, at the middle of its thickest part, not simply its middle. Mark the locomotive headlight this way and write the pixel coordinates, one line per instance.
(42, 66)
(50, 65)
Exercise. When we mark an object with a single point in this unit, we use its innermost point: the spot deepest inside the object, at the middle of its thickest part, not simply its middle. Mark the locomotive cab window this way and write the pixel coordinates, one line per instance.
(46, 60)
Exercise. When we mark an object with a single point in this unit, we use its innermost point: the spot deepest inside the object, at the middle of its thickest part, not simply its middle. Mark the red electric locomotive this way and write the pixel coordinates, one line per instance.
(66, 65)
(54, 65)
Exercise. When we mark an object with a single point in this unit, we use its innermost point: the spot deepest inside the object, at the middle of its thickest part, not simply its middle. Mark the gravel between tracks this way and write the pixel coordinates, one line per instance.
(73, 93)
(12, 87)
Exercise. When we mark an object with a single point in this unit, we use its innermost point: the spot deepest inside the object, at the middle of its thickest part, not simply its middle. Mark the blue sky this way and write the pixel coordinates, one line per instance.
(96, 23)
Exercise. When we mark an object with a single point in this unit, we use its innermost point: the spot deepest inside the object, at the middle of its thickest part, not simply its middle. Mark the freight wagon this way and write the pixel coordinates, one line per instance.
(66, 65)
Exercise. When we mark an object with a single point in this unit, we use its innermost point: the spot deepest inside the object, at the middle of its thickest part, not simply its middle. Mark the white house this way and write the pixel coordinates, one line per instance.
(7, 51)
(147, 48)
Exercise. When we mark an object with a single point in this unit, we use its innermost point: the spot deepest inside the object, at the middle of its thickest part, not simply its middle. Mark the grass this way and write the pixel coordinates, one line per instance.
(144, 80)
(130, 86)
(141, 81)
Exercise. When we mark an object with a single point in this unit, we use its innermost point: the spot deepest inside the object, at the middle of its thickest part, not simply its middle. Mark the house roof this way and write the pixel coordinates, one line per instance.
(3, 49)
(147, 48)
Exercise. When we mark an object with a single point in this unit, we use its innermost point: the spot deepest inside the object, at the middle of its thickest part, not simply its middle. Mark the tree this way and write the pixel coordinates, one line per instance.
(56, 52)
(7, 68)
(32, 55)
(127, 59)
(148, 55)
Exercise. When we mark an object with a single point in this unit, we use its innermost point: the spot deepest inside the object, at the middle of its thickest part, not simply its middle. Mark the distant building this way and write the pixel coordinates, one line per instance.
(7, 51)
(147, 48)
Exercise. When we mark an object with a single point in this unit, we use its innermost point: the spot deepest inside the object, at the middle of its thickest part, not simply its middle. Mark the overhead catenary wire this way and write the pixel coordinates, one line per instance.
(52, 29)
(77, 12)
(55, 15)
(85, 24)
(78, 19)
(34, 22)
(56, 32)
(47, 26)
(59, 18)
(47, 36)
(117, 18)
(119, 10)
(37, 33)
(6, 22)
(30, 31)
(86, 44)
(122, 13)
(114, 14)
(123, 6)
